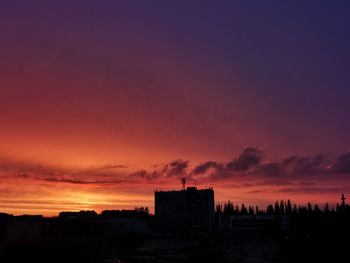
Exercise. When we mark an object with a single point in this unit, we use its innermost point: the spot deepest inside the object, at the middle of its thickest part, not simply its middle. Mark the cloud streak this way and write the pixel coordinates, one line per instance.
(249, 177)
(24, 170)
(250, 166)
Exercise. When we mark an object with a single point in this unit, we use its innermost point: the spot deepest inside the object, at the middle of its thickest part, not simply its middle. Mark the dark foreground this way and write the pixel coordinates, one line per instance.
(309, 236)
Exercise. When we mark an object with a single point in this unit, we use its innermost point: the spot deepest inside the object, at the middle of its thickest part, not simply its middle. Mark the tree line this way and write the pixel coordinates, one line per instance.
(282, 208)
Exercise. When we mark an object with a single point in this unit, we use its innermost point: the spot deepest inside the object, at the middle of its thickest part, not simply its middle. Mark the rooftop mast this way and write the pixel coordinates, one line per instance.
(183, 182)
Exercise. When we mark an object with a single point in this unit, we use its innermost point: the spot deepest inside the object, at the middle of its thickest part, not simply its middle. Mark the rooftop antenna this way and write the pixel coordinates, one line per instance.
(183, 182)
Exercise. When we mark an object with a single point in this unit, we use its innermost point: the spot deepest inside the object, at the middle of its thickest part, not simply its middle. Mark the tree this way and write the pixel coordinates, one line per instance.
(269, 210)
(277, 208)
(317, 209)
(251, 210)
(219, 209)
(229, 208)
(326, 208)
(282, 207)
(237, 210)
(289, 207)
(309, 208)
(244, 210)
(343, 201)
(337, 209)
(295, 209)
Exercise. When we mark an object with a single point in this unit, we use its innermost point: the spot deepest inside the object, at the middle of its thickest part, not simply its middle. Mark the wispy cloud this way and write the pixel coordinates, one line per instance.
(250, 166)
(106, 174)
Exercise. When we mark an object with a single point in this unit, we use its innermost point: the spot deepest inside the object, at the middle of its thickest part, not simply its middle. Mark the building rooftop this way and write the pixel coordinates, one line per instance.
(192, 188)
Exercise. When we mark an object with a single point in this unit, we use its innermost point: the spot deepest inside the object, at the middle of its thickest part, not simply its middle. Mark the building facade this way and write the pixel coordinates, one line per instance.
(189, 209)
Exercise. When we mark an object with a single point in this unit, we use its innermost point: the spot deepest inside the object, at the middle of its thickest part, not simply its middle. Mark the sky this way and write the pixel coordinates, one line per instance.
(103, 102)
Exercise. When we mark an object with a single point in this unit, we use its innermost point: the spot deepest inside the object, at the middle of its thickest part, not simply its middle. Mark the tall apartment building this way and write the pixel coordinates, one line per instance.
(188, 209)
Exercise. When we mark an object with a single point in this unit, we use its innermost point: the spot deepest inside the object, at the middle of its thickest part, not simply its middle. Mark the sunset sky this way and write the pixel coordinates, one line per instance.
(102, 102)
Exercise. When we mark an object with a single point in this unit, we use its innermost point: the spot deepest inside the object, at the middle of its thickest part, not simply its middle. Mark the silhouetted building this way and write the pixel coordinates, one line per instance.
(189, 209)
